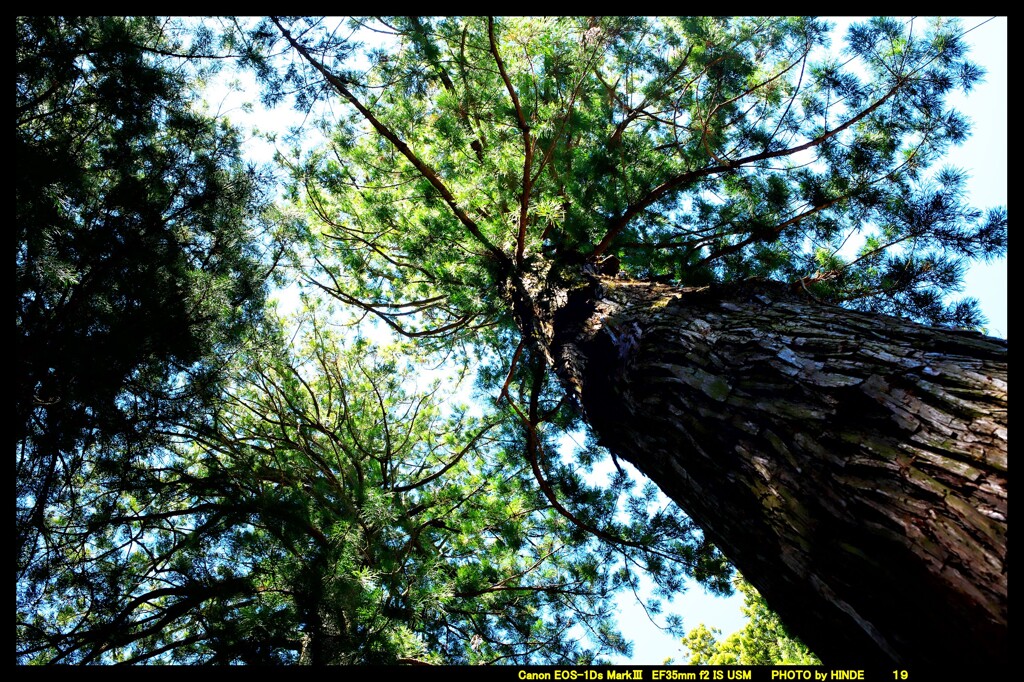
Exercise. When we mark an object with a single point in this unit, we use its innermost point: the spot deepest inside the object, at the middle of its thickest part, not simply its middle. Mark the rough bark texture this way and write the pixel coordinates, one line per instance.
(852, 466)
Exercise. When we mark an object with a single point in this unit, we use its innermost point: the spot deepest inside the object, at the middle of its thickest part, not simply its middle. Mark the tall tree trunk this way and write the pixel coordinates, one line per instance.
(852, 466)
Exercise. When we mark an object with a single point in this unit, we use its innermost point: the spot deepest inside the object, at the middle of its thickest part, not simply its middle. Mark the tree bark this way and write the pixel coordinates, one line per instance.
(852, 466)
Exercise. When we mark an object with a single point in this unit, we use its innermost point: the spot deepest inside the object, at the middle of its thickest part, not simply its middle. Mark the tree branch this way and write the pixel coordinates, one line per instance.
(524, 199)
(425, 170)
(674, 183)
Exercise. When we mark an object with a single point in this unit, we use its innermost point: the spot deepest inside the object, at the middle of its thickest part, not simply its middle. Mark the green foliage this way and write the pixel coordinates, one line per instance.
(136, 268)
(133, 260)
(318, 513)
(695, 149)
(762, 641)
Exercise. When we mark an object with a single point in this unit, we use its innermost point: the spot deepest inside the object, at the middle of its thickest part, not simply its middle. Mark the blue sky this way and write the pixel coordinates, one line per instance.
(985, 156)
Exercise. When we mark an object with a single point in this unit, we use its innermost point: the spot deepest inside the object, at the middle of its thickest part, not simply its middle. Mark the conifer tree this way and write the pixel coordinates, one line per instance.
(732, 248)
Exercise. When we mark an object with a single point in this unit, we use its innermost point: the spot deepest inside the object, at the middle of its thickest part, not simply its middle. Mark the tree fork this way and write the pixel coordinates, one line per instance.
(852, 466)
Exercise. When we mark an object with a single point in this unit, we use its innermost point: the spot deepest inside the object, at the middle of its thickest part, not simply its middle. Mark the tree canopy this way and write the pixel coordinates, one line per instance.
(694, 150)
(137, 267)
(317, 513)
(201, 479)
